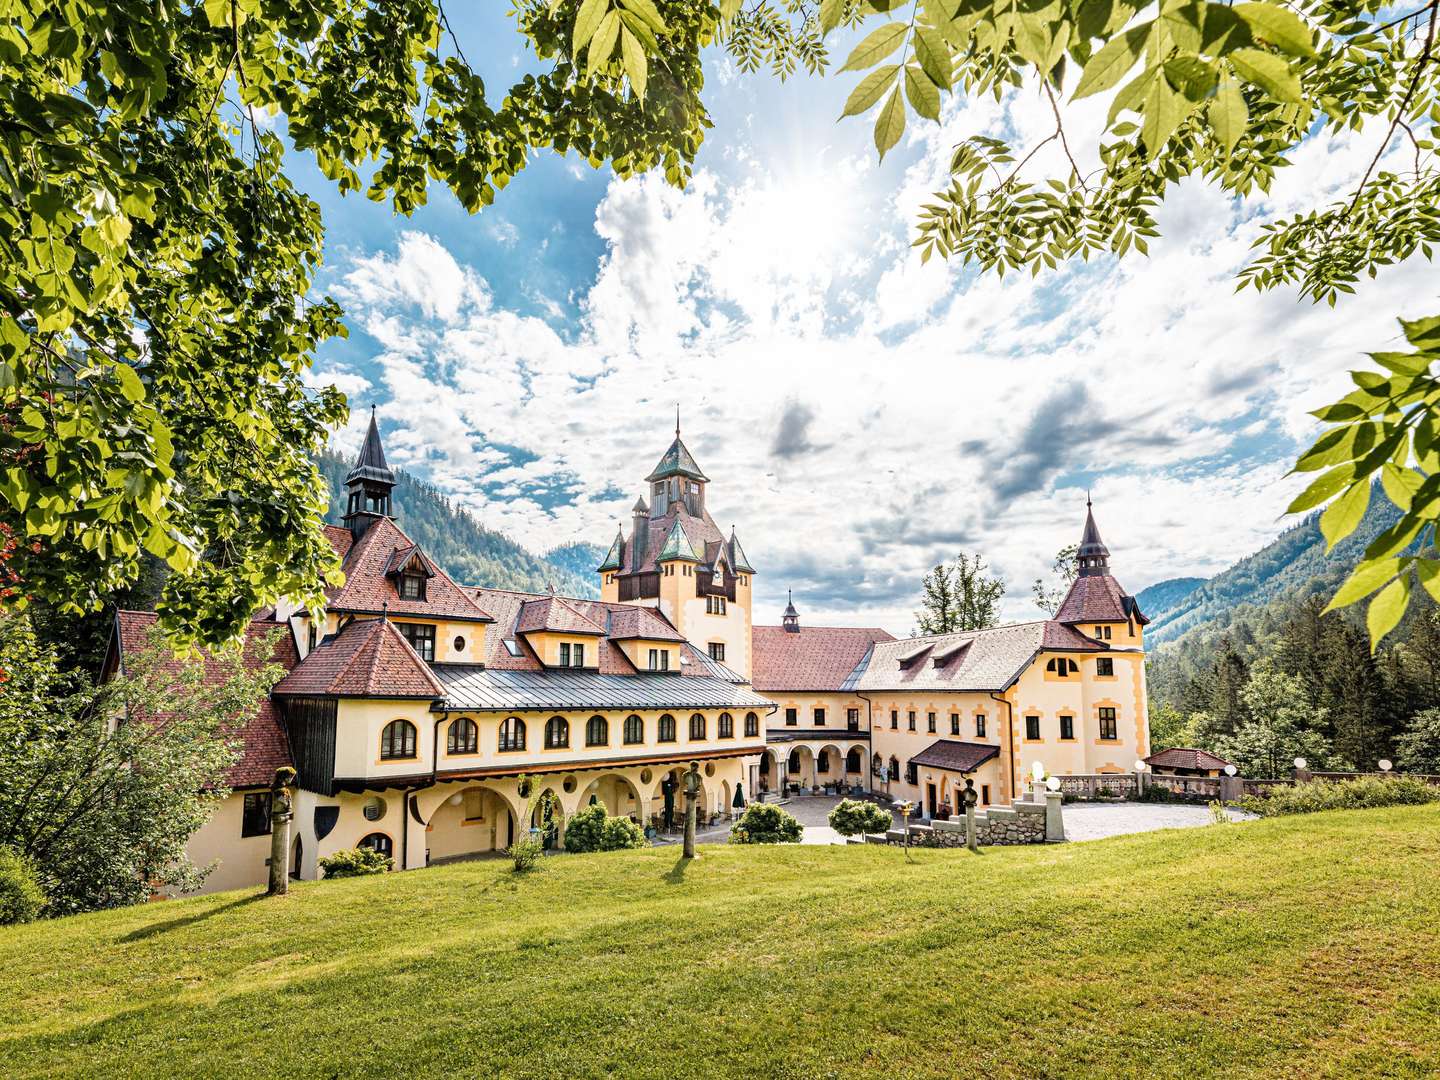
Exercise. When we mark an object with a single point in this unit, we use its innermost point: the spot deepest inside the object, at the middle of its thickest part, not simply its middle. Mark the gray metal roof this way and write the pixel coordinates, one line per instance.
(469, 686)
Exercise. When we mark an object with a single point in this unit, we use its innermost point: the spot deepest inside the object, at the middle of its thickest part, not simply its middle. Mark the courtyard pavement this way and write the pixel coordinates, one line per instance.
(1083, 821)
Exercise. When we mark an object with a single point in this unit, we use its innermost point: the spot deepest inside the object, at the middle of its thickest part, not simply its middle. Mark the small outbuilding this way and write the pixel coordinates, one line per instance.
(1186, 761)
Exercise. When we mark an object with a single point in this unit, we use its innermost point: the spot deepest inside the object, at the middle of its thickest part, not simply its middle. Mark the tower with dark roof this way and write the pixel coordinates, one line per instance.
(677, 559)
(1095, 602)
(1093, 557)
(790, 618)
(369, 483)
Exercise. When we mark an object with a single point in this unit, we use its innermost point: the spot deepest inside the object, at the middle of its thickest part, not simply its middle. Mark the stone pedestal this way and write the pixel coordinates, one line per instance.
(1054, 821)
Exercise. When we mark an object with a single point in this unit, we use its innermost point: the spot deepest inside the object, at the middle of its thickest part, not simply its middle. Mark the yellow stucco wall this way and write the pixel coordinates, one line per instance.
(639, 653)
(547, 646)
(469, 636)
(241, 861)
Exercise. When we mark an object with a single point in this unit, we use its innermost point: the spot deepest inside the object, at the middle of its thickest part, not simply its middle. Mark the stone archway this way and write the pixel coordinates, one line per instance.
(800, 767)
(618, 794)
(554, 834)
(469, 820)
(833, 762)
(768, 776)
(855, 765)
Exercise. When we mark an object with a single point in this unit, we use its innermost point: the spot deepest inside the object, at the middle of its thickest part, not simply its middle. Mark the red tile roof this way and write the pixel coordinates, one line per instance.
(1098, 598)
(621, 621)
(368, 590)
(264, 747)
(816, 658)
(368, 658)
(1184, 757)
(340, 539)
(953, 755)
(555, 614)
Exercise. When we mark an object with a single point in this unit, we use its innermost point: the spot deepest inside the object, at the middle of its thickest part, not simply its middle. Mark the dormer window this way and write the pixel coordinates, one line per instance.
(512, 646)
(572, 654)
(412, 586)
(421, 639)
(659, 659)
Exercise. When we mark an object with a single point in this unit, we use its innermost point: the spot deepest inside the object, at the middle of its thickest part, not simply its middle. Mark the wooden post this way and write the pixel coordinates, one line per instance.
(692, 792)
(281, 810)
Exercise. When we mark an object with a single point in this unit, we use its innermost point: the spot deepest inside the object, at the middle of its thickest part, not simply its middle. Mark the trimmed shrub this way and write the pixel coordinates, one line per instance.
(620, 834)
(1362, 793)
(765, 823)
(21, 897)
(355, 862)
(525, 852)
(854, 816)
(592, 829)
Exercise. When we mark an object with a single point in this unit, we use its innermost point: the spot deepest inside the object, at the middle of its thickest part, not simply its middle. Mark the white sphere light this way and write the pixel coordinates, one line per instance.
(1230, 770)
(456, 799)
(1386, 765)
(1299, 763)
(1140, 765)
(1053, 783)
(1038, 770)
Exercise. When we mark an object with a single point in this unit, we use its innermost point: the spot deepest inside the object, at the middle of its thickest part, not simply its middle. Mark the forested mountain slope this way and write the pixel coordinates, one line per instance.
(469, 552)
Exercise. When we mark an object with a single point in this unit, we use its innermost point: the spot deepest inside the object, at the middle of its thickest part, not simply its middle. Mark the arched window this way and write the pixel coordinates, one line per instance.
(557, 733)
(397, 740)
(793, 765)
(752, 725)
(1062, 666)
(512, 734)
(463, 737)
(877, 763)
(634, 730)
(597, 731)
(697, 726)
(667, 729)
(822, 761)
(894, 768)
(378, 841)
(764, 764)
(727, 726)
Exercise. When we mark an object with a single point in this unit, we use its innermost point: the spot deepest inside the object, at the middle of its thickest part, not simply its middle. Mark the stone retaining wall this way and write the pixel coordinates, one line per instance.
(1019, 823)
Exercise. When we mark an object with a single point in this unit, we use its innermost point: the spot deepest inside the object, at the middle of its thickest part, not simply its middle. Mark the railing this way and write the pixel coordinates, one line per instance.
(1433, 781)
(1099, 786)
(1189, 787)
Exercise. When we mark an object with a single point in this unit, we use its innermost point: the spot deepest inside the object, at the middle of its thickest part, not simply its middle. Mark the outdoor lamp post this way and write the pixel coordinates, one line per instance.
(1386, 765)
(692, 793)
(1140, 768)
(1300, 774)
(1230, 770)
(905, 808)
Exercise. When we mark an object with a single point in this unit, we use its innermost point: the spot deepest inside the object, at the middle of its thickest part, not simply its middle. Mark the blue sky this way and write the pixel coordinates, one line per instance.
(860, 416)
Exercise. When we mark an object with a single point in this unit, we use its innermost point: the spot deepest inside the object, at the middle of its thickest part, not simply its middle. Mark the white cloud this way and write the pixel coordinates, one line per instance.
(862, 416)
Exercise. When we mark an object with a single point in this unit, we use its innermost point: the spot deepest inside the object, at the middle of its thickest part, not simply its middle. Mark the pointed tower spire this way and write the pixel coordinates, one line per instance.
(677, 420)
(369, 483)
(790, 620)
(1092, 558)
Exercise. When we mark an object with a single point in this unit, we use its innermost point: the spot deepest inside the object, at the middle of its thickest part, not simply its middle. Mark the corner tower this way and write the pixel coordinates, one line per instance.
(1096, 605)
(677, 559)
(369, 484)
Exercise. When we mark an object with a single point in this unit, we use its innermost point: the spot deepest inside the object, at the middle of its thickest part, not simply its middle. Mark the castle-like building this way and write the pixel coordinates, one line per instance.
(412, 706)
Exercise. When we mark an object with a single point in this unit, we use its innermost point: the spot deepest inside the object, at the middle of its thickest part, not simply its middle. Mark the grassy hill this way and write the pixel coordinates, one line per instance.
(1289, 947)
(469, 552)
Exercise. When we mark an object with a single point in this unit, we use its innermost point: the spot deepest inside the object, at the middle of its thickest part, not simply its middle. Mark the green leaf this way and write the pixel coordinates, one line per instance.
(1269, 72)
(1403, 363)
(1321, 489)
(636, 65)
(890, 123)
(1401, 485)
(217, 12)
(1192, 76)
(1428, 571)
(1340, 517)
(1108, 66)
(1228, 115)
(587, 21)
(602, 45)
(830, 13)
(1164, 109)
(870, 90)
(1386, 610)
(880, 43)
(647, 10)
(923, 95)
(1363, 580)
(934, 55)
(1279, 26)
(130, 384)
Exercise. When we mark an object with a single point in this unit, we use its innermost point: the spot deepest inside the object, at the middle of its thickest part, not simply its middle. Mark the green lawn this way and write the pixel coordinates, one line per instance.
(1306, 947)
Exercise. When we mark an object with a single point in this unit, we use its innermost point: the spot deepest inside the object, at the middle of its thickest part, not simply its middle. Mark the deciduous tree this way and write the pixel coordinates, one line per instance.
(959, 596)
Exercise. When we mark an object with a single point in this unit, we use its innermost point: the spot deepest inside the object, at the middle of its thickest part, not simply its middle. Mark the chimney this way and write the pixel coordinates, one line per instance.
(640, 534)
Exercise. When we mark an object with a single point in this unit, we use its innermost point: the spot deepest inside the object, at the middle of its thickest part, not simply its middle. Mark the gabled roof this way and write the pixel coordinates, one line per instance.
(340, 538)
(737, 556)
(676, 461)
(264, 747)
(972, 660)
(368, 658)
(953, 755)
(614, 557)
(554, 614)
(1184, 757)
(640, 624)
(642, 552)
(370, 465)
(1098, 598)
(370, 589)
(816, 658)
(677, 546)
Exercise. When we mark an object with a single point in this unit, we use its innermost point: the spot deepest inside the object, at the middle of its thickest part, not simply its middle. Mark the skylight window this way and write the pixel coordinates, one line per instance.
(512, 646)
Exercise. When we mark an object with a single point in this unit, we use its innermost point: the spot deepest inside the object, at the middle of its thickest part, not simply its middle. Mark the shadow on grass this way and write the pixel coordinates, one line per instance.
(676, 876)
(190, 920)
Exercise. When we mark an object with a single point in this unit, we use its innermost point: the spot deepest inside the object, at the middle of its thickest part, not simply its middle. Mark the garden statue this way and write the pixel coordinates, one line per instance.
(692, 793)
(970, 798)
(667, 788)
(281, 810)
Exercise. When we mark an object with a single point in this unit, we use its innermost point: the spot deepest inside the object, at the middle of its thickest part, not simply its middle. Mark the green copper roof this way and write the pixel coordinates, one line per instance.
(737, 556)
(677, 462)
(612, 557)
(677, 546)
